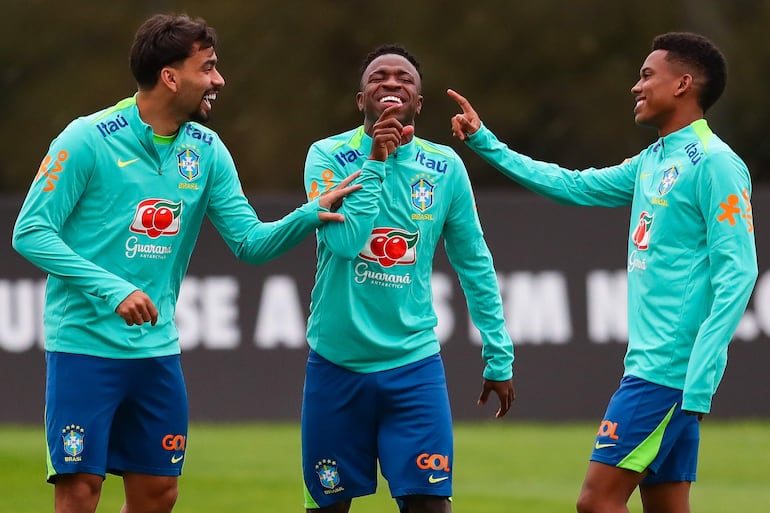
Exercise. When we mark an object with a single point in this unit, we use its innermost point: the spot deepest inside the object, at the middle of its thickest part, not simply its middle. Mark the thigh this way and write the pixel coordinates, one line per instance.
(150, 493)
(339, 434)
(82, 395)
(671, 497)
(77, 493)
(149, 433)
(415, 437)
(424, 504)
(607, 487)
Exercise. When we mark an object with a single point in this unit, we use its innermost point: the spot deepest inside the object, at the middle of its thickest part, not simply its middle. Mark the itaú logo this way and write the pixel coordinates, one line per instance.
(427, 461)
(391, 246)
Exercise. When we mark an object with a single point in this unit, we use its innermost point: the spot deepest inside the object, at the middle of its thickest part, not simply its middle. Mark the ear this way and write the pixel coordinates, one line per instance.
(360, 101)
(419, 105)
(168, 78)
(684, 85)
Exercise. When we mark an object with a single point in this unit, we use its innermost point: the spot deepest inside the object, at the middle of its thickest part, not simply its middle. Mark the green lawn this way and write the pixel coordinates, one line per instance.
(500, 467)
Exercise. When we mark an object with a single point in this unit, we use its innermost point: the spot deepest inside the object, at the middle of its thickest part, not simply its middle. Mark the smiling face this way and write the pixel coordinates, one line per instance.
(198, 83)
(658, 93)
(390, 79)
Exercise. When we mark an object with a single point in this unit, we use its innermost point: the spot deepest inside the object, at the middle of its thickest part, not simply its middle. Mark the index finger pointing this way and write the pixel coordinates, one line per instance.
(464, 104)
(389, 112)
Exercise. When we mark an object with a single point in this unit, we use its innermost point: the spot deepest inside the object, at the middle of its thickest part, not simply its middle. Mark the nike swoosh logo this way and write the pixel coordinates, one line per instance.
(176, 459)
(602, 446)
(434, 480)
(124, 163)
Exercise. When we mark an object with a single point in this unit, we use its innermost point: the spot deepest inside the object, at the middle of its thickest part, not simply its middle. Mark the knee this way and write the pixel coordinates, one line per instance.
(586, 503)
(164, 498)
(168, 498)
(150, 495)
(77, 489)
(426, 504)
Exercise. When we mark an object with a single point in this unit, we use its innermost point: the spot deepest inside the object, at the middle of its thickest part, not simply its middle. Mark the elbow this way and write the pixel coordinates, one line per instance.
(21, 242)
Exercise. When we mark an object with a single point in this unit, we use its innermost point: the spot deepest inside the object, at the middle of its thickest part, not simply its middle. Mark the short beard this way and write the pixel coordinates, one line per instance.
(199, 117)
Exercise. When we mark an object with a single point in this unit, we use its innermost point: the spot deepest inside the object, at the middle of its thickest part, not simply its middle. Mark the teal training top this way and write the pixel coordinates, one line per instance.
(691, 254)
(113, 210)
(371, 307)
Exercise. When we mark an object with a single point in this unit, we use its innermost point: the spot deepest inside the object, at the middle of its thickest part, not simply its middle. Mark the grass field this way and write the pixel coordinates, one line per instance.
(500, 467)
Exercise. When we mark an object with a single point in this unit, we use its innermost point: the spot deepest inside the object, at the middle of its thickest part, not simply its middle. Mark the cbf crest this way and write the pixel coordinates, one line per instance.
(327, 473)
(669, 179)
(422, 194)
(73, 440)
(188, 162)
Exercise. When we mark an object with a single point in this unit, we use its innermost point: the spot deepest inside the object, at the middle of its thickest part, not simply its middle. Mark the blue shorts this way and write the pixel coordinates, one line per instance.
(350, 421)
(109, 415)
(645, 429)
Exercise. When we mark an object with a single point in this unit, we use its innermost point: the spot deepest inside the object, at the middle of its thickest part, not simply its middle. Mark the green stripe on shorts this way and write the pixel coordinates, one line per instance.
(641, 457)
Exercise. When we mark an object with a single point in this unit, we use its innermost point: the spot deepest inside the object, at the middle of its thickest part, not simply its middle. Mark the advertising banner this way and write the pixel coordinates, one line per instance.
(562, 273)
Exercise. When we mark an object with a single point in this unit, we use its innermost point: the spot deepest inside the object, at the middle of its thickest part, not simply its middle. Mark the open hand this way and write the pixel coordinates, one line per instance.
(332, 200)
(466, 123)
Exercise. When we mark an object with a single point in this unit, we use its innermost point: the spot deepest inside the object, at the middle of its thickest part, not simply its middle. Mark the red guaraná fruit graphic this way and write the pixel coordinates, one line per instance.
(390, 246)
(156, 217)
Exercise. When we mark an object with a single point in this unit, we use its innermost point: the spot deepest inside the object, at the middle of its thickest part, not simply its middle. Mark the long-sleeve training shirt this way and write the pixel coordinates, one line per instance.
(372, 306)
(114, 209)
(692, 259)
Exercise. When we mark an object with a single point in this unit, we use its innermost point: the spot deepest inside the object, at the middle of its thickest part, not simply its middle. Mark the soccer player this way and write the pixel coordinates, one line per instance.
(112, 216)
(375, 389)
(691, 269)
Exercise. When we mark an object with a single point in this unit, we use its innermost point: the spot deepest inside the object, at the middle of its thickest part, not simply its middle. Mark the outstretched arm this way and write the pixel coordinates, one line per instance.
(607, 187)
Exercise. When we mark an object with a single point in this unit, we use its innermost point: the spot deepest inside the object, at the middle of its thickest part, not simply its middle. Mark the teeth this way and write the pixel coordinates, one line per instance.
(394, 99)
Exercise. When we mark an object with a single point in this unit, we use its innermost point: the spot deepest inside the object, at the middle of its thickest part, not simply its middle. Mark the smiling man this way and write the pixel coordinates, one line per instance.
(691, 264)
(112, 216)
(375, 390)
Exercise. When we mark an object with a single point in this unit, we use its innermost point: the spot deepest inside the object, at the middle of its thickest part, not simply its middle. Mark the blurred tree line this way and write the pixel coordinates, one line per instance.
(552, 78)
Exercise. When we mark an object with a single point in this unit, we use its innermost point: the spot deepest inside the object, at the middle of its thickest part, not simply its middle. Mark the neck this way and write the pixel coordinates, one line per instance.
(155, 112)
(678, 120)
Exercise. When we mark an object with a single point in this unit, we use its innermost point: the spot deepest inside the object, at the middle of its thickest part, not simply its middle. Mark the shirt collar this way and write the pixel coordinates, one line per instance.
(674, 141)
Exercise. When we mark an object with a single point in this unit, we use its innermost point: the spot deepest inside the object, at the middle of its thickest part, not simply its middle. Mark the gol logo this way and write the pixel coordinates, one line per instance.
(390, 246)
(174, 442)
(156, 217)
(608, 428)
(427, 461)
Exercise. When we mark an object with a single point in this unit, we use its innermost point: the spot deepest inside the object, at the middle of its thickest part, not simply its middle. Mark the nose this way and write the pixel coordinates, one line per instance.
(637, 88)
(392, 81)
(217, 78)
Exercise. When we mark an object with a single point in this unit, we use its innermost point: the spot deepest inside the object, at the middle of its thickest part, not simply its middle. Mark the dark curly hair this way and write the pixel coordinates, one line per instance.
(165, 39)
(702, 58)
(388, 49)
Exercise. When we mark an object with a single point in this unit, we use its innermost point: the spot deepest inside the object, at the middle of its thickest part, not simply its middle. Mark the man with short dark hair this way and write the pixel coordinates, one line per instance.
(112, 216)
(692, 266)
(375, 390)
